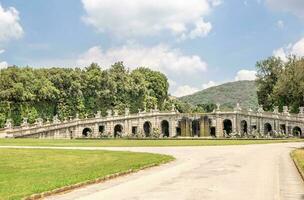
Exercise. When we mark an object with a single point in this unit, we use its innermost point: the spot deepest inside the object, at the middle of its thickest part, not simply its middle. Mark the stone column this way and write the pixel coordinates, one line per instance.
(205, 127)
(96, 130)
(172, 128)
(261, 125)
(185, 128)
(235, 124)
(219, 127)
(287, 128)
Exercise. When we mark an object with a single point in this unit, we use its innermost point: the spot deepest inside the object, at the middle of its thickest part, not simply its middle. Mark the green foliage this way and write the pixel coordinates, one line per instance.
(268, 72)
(228, 95)
(201, 108)
(281, 84)
(32, 93)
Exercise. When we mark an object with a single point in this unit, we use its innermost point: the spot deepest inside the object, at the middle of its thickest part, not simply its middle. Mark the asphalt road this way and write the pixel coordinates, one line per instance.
(261, 172)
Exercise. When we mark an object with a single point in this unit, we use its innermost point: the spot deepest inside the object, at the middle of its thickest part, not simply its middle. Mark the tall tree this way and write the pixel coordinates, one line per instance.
(268, 72)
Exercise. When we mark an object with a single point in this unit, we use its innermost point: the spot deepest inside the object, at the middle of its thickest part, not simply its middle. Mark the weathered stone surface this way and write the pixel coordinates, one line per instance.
(238, 123)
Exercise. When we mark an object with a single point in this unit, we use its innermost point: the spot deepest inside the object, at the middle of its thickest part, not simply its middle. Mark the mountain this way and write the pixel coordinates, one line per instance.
(228, 95)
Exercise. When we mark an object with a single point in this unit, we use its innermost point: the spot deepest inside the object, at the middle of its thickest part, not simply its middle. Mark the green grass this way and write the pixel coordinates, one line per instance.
(135, 143)
(298, 156)
(29, 171)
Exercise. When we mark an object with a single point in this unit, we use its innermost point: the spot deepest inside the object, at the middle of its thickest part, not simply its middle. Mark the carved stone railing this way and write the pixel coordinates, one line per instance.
(43, 127)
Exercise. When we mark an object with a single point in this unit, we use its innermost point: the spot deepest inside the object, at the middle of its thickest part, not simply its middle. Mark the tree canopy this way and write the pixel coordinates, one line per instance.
(27, 92)
(281, 83)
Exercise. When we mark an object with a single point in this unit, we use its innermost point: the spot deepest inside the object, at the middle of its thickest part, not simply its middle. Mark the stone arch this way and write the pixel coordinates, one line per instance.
(212, 128)
(165, 128)
(283, 128)
(227, 126)
(147, 128)
(195, 127)
(118, 130)
(267, 129)
(296, 131)
(86, 132)
(179, 128)
(244, 127)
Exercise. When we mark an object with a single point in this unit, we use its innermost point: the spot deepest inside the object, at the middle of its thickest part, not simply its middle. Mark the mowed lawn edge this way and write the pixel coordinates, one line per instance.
(298, 159)
(138, 143)
(35, 172)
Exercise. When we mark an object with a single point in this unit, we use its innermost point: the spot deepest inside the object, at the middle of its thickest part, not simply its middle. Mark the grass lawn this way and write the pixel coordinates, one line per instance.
(137, 143)
(28, 171)
(298, 157)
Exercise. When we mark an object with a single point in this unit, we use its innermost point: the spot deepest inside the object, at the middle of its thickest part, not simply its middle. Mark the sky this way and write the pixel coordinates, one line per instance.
(196, 43)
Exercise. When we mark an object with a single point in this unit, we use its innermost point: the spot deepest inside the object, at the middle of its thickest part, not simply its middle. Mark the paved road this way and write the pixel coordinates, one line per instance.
(248, 172)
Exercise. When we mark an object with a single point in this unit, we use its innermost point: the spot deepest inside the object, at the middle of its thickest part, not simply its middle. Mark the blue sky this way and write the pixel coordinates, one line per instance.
(196, 43)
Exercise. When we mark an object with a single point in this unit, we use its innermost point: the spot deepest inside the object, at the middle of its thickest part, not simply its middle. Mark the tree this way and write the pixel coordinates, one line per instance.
(268, 72)
(30, 93)
(157, 86)
(281, 83)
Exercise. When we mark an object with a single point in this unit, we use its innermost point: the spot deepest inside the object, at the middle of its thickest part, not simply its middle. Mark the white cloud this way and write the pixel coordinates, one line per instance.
(125, 18)
(245, 75)
(280, 53)
(280, 24)
(172, 83)
(209, 84)
(215, 2)
(9, 24)
(185, 90)
(2, 51)
(295, 7)
(296, 49)
(3, 65)
(160, 57)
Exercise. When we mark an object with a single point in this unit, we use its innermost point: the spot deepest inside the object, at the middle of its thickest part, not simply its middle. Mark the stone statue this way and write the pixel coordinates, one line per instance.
(218, 107)
(25, 122)
(109, 113)
(285, 110)
(260, 110)
(127, 111)
(301, 110)
(173, 108)
(56, 120)
(276, 110)
(301, 113)
(8, 124)
(98, 114)
(39, 122)
(155, 107)
(238, 107)
(115, 113)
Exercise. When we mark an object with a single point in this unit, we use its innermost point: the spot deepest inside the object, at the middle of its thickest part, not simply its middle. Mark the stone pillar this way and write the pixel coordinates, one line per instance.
(96, 130)
(204, 126)
(219, 127)
(249, 126)
(235, 123)
(185, 128)
(261, 125)
(172, 128)
(287, 128)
